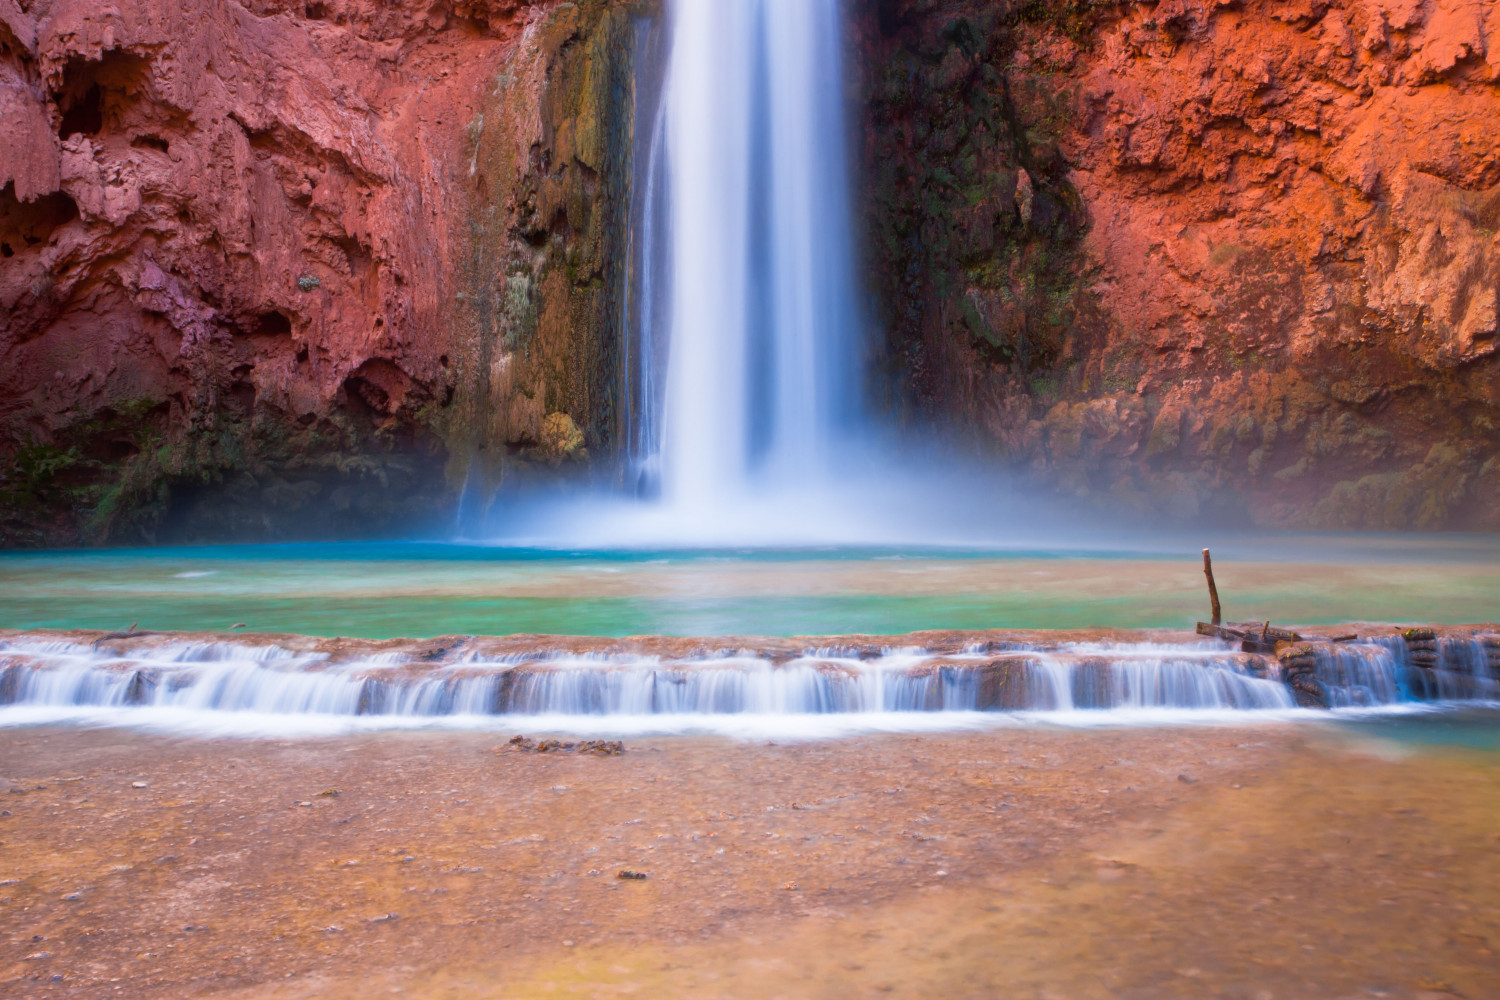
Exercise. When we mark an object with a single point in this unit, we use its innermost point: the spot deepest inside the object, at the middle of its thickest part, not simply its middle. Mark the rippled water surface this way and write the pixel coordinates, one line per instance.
(413, 589)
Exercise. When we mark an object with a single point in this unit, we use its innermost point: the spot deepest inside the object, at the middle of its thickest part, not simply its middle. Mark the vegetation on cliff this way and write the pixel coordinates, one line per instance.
(550, 154)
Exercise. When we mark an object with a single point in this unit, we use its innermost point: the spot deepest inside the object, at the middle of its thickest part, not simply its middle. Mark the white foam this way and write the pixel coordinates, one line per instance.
(747, 727)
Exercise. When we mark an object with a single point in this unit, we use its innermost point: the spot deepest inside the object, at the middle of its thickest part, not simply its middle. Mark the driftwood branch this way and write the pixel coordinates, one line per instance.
(1213, 591)
(1253, 637)
(128, 634)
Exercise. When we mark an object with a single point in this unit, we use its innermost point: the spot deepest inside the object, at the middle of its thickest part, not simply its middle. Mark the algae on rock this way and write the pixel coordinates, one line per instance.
(543, 281)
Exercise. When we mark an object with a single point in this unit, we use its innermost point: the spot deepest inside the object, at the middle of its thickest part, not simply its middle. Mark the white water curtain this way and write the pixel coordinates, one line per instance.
(761, 367)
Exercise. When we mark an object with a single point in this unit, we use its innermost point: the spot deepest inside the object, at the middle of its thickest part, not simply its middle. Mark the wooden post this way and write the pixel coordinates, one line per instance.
(1213, 591)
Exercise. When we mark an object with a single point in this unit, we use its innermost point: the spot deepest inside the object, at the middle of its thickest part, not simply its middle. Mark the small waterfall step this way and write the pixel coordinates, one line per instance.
(467, 676)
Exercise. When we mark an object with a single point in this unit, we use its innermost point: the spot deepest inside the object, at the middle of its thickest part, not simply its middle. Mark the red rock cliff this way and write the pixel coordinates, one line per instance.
(255, 279)
(1201, 256)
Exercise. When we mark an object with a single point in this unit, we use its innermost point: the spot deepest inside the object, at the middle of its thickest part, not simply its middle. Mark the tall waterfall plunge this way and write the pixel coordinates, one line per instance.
(743, 349)
(745, 277)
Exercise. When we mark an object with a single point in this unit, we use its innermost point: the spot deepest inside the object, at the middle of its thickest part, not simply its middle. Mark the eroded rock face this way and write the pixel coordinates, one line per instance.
(242, 285)
(1200, 257)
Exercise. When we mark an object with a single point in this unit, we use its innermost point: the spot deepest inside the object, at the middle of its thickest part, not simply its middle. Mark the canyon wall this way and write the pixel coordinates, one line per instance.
(1200, 258)
(276, 269)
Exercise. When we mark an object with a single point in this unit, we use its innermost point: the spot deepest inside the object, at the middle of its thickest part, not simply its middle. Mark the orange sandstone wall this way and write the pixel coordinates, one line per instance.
(1230, 258)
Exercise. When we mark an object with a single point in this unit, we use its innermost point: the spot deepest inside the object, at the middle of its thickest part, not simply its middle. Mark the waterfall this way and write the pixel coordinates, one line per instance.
(743, 349)
(743, 256)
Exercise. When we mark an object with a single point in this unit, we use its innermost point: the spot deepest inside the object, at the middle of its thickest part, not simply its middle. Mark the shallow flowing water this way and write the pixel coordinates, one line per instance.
(779, 688)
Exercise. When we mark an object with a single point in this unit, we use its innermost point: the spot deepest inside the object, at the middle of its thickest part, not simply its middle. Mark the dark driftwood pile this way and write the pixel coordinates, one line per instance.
(1298, 655)
(1253, 637)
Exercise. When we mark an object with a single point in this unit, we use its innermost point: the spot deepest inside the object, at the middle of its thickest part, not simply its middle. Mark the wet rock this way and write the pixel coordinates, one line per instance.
(142, 687)
(1299, 662)
(10, 683)
(442, 649)
(372, 697)
(1296, 652)
(1012, 683)
(1308, 692)
(1421, 647)
(1491, 644)
(1091, 683)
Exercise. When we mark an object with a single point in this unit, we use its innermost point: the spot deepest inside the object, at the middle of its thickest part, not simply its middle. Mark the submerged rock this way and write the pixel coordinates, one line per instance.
(599, 748)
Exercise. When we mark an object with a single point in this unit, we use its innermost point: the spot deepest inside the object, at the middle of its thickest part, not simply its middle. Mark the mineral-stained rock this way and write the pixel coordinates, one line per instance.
(1298, 658)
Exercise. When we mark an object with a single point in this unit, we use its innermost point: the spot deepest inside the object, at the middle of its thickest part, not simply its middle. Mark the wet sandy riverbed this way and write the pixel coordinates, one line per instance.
(1259, 861)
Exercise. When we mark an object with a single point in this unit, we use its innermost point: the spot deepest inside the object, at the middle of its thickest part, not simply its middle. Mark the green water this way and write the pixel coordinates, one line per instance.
(1469, 729)
(417, 589)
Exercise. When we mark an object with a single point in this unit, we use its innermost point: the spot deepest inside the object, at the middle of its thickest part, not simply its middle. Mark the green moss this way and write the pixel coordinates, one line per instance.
(1046, 388)
(1077, 19)
(81, 476)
